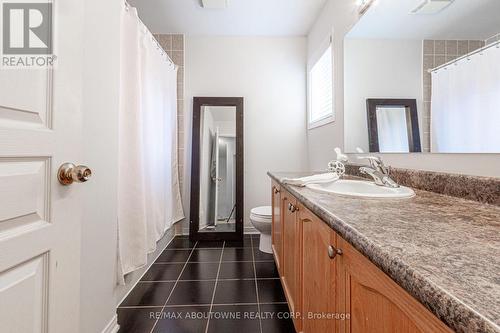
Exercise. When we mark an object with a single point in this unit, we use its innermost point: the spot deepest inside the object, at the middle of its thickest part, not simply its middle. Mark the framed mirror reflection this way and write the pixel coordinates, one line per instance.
(393, 126)
(217, 169)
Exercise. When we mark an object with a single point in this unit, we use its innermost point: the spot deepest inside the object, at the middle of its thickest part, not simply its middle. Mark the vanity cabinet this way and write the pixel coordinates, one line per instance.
(374, 301)
(291, 266)
(277, 227)
(318, 273)
(333, 286)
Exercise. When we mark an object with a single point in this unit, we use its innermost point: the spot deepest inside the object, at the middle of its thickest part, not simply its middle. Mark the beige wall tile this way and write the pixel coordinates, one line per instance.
(427, 109)
(451, 47)
(439, 47)
(177, 57)
(475, 44)
(427, 93)
(427, 77)
(451, 58)
(180, 74)
(439, 60)
(428, 47)
(428, 61)
(165, 42)
(463, 47)
(180, 107)
(180, 139)
(427, 124)
(181, 161)
(178, 42)
(180, 89)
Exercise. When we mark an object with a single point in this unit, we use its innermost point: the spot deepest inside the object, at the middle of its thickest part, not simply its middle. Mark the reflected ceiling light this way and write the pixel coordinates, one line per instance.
(429, 7)
(214, 4)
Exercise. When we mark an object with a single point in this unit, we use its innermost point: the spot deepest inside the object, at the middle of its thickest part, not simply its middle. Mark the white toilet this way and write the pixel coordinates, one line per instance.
(261, 218)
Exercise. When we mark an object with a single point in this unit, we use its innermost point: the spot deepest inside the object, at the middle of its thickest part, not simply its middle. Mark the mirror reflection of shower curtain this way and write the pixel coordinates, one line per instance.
(465, 117)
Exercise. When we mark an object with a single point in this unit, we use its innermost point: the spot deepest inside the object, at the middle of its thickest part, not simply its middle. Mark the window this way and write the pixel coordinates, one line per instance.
(320, 94)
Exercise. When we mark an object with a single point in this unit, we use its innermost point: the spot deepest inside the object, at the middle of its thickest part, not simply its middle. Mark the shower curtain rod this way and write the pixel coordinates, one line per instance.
(497, 44)
(158, 46)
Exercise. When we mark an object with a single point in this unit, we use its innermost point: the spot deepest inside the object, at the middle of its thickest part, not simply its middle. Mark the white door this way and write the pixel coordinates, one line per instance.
(40, 128)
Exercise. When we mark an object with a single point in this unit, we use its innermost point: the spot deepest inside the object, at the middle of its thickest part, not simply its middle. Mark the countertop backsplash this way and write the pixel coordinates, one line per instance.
(482, 189)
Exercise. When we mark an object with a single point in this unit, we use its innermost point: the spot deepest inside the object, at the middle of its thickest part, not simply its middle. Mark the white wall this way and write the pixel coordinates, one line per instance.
(378, 68)
(340, 16)
(101, 79)
(100, 92)
(337, 17)
(270, 74)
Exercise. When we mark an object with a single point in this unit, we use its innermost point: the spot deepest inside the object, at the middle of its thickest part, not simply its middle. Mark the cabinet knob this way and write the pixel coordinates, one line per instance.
(276, 191)
(333, 252)
(292, 207)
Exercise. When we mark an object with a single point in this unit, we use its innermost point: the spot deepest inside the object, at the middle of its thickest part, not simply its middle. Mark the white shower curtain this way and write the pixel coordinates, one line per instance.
(465, 115)
(149, 199)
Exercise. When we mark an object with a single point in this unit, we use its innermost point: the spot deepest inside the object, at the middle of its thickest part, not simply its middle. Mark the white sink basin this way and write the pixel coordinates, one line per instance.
(365, 189)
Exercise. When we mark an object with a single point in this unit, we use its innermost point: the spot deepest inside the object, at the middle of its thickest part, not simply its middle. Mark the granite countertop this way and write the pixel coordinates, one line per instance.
(444, 251)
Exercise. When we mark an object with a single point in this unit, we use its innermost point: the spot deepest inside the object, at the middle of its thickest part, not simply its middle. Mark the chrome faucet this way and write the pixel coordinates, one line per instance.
(378, 171)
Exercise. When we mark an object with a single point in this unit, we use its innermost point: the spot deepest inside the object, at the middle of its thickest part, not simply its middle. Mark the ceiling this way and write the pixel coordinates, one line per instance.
(463, 19)
(241, 18)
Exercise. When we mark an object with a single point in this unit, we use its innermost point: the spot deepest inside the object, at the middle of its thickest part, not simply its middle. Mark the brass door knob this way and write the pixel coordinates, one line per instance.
(69, 173)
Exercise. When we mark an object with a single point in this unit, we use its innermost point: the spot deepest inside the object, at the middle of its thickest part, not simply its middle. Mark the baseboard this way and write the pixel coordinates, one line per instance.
(250, 230)
(112, 326)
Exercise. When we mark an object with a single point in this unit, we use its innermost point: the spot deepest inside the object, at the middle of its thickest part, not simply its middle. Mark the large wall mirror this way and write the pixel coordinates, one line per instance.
(217, 169)
(445, 58)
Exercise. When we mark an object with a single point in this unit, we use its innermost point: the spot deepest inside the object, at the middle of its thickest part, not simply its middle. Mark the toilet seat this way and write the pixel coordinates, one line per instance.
(261, 219)
(263, 213)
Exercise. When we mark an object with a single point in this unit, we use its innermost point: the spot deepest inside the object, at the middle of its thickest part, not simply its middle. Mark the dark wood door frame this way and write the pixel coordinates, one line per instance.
(194, 222)
(413, 131)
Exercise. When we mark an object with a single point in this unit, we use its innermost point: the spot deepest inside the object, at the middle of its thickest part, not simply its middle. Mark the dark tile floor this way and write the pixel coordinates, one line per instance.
(208, 287)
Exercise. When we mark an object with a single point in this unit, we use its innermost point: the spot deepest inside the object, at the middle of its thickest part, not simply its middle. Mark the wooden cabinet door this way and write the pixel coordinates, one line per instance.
(376, 304)
(277, 226)
(291, 254)
(318, 274)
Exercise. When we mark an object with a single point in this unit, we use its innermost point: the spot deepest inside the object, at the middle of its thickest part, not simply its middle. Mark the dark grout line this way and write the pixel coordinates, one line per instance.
(212, 262)
(256, 286)
(215, 287)
(194, 305)
(175, 285)
(166, 307)
(210, 280)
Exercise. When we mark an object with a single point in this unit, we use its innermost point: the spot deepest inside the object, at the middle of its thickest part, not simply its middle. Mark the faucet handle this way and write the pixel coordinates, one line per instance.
(376, 163)
(340, 156)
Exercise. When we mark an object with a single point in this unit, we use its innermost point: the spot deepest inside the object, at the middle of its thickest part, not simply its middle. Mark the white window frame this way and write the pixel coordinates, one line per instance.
(328, 43)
